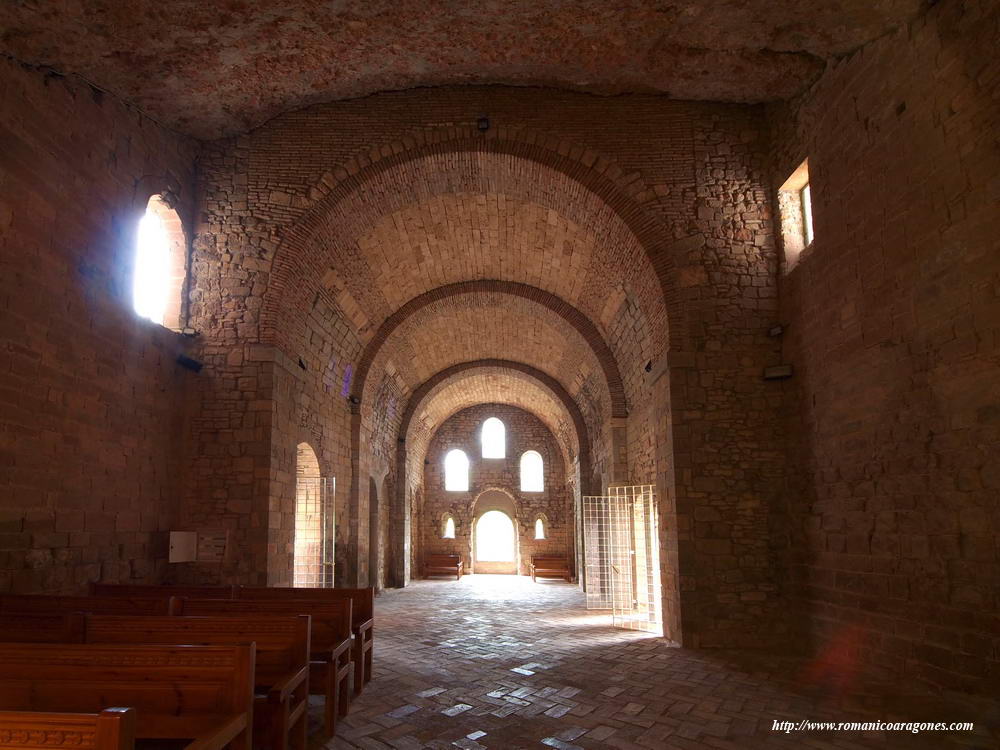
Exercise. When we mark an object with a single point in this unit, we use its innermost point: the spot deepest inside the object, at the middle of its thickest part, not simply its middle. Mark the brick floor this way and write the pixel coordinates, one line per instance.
(500, 662)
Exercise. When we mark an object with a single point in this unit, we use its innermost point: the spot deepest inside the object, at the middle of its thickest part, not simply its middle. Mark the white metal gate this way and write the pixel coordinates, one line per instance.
(312, 565)
(622, 557)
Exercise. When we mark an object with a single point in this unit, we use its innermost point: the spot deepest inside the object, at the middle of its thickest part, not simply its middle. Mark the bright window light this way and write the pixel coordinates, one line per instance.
(532, 473)
(456, 471)
(494, 439)
(539, 529)
(449, 528)
(495, 541)
(807, 214)
(150, 284)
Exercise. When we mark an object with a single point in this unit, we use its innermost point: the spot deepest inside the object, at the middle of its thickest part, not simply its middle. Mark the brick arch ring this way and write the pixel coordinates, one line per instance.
(625, 194)
(583, 324)
(546, 380)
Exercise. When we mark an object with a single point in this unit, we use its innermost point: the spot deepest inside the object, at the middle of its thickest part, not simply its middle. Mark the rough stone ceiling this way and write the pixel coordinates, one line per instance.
(215, 68)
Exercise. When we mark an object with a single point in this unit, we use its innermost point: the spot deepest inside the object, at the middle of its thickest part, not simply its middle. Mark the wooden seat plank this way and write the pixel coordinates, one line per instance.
(58, 604)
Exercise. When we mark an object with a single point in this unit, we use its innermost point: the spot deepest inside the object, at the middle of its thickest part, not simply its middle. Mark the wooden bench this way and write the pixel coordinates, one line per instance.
(34, 627)
(281, 670)
(201, 693)
(330, 647)
(105, 605)
(544, 566)
(443, 565)
(362, 619)
(363, 611)
(111, 729)
(141, 590)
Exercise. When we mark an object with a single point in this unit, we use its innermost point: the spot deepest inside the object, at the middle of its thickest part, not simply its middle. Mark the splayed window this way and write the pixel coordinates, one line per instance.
(532, 472)
(795, 207)
(456, 471)
(494, 439)
(495, 538)
(449, 528)
(160, 265)
(539, 528)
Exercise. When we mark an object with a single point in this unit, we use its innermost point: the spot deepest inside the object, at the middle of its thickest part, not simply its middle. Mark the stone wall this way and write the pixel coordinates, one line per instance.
(524, 432)
(92, 400)
(893, 327)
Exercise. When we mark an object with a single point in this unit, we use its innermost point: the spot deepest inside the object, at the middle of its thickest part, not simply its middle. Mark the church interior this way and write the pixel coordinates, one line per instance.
(592, 375)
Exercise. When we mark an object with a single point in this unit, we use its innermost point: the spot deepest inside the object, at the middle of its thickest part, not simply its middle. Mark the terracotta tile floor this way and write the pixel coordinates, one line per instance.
(499, 662)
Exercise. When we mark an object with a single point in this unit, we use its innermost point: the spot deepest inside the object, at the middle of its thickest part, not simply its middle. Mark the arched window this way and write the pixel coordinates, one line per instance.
(539, 528)
(494, 439)
(532, 473)
(449, 528)
(456, 471)
(495, 538)
(307, 563)
(160, 265)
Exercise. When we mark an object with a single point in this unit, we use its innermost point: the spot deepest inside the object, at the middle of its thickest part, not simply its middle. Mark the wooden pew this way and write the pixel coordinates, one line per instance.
(362, 619)
(143, 590)
(330, 645)
(34, 627)
(549, 566)
(202, 693)
(105, 605)
(443, 565)
(111, 729)
(281, 671)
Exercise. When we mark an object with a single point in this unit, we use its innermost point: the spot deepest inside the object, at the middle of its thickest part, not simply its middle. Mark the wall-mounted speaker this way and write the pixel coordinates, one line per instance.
(190, 364)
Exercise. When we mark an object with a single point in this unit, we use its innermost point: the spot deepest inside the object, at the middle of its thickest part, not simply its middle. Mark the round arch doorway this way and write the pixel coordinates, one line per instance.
(495, 547)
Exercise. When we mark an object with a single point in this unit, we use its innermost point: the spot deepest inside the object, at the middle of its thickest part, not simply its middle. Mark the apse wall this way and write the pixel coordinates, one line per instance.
(92, 400)
(524, 432)
(893, 326)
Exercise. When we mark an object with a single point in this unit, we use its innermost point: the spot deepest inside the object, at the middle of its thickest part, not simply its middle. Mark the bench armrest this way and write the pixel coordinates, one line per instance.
(283, 688)
(339, 650)
(363, 627)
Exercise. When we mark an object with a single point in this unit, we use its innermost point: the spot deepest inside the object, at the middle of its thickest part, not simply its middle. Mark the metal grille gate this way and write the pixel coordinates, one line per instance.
(312, 564)
(621, 555)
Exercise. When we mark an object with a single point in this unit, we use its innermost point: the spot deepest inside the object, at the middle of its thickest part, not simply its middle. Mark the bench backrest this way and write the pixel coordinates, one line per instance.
(331, 621)
(549, 561)
(363, 600)
(148, 590)
(41, 627)
(126, 605)
(443, 560)
(282, 640)
(164, 680)
(111, 729)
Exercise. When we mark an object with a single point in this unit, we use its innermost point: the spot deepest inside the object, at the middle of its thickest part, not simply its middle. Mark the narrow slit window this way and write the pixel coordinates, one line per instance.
(449, 528)
(494, 439)
(456, 471)
(539, 528)
(807, 214)
(795, 209)
(532, 472)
